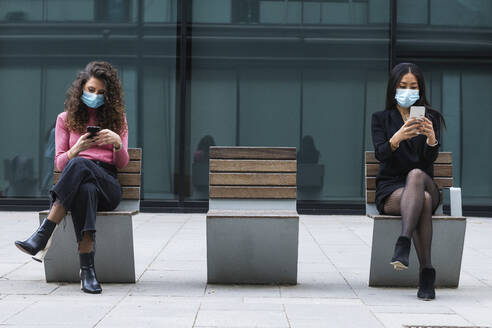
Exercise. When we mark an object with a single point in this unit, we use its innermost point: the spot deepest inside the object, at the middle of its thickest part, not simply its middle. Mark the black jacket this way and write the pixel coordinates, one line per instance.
(412, 153)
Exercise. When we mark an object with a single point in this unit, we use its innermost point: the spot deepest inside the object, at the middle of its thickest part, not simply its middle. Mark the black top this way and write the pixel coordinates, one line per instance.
(412, 153)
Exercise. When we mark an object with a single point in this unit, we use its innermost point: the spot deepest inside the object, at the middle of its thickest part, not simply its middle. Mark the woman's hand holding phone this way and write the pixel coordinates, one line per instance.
(410, 129)
(85, 142)
(427, 129)
(107, 137)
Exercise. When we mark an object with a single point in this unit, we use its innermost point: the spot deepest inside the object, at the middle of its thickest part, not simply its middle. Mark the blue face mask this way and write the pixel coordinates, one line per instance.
(406, 97)
(92, 100)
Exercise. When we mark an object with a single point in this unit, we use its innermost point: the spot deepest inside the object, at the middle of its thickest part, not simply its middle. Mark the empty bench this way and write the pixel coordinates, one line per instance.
(448, 232)
(252, 222)
(114, 260)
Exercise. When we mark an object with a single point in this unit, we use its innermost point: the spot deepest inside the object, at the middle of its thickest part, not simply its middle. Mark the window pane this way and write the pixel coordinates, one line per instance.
(112, 11)
(454, 28)
(257, 80)
(39, 61)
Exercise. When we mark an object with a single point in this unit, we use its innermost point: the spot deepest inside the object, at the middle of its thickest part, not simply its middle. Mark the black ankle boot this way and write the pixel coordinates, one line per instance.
(39, 239)
(402, 250)
(88, 280)
(427, 279)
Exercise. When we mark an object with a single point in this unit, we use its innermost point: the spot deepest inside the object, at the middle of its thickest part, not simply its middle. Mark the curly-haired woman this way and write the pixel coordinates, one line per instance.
(88, 163)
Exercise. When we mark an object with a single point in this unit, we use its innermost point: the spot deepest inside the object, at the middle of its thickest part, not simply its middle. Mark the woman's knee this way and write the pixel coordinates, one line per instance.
(416, 174)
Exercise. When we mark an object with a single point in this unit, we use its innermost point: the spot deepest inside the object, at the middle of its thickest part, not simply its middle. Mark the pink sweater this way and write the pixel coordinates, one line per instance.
(65, 139)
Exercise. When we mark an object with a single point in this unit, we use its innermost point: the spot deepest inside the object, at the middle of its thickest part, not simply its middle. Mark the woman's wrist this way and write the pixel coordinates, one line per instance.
(118, 145)
(432, 141)
(394, 142)
(72, 153)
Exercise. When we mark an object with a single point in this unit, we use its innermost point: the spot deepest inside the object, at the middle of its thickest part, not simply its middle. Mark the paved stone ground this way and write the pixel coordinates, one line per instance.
(171, 290)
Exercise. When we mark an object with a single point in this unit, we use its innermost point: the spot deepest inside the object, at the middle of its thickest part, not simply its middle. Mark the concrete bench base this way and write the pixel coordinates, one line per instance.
(114, 259)
(447, 251)
(250, 247)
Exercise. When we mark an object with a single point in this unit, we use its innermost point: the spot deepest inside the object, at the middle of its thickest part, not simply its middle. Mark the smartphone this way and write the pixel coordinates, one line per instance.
(417, 111)
(93, 130)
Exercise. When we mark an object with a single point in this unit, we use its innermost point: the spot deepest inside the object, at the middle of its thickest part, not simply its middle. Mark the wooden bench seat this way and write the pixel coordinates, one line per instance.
(252, 222)
(448, 232)
(114, 260)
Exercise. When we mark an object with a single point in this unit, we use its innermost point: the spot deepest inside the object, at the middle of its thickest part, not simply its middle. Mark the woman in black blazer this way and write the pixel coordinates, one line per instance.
(407, 148)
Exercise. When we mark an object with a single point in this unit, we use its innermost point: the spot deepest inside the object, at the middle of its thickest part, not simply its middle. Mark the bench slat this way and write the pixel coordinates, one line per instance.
(135, 154)
(254, 179)
(236, 192)
(130, 193)
(440, 170)
(132, 167)
(129, 179)
(442, 158)
(228, 165)
(253, 153)
(441, 182)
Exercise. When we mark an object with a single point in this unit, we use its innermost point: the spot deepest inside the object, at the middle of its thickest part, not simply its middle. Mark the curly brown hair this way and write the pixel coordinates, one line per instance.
(111, 115)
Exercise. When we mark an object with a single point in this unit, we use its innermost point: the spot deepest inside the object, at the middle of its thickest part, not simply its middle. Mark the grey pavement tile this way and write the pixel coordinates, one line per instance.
(316, 267)
(344, 237)
(327, 315)
(11, 255)
(9, 308)
(397, 320)
(108, 289)
(32, 270)
(235, 318)
(351, 256)
(85, 311)
(480, 316)
(28, 287)
(388, 296)
(227, 305)
(472, 296)
(176, 265)
(150, 312)
(302, 300)
(55, 325)
(215, 290)
(181, 251)
(424, 308)
(319, 285)
(6, 268)
(171, 283)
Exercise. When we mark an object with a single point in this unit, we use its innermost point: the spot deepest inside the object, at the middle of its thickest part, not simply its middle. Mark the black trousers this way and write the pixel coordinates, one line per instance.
(84, 188)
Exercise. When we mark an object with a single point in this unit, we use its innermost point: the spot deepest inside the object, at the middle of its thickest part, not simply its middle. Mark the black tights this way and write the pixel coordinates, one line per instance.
(415, 203)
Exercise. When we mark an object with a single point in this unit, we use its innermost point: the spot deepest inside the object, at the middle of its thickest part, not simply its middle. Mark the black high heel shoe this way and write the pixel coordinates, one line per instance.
(40, 241)
(88, 280)
(402, 251)
(427, 278)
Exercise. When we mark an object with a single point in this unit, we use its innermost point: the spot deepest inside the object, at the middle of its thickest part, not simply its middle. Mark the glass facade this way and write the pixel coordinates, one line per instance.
(196, 73)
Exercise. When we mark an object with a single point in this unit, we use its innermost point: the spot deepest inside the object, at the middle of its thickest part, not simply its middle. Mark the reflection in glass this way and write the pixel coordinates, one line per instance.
(310, 173)
(200, 168)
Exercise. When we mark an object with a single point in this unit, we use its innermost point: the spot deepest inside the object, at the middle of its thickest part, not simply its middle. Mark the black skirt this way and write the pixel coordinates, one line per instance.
(386, 187)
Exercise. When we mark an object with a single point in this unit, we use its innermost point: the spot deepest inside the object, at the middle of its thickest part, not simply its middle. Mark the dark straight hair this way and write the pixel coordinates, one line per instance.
(394, 80)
